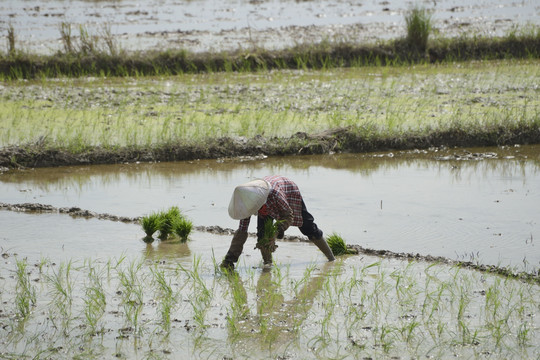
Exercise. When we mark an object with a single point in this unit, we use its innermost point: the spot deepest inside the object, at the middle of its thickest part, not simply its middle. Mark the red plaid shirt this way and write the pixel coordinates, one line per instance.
(284, 202)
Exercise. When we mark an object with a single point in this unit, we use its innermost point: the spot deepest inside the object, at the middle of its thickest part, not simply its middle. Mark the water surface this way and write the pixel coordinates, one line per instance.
(466, 204)
(204, 25)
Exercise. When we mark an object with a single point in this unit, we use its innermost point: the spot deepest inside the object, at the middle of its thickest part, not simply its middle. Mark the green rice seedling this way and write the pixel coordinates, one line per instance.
(201, 295)
(166, 296)
(109, 39)
(337, 244)
(151, 224)
(95, 300)
(166, 222)
(88, 43)
(132, 293)
(182, 228)
(419, 26)
(25, 297)
(61, 290)
(271, 229)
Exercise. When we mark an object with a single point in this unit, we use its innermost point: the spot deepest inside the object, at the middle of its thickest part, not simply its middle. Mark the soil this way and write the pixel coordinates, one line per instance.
(355, 249)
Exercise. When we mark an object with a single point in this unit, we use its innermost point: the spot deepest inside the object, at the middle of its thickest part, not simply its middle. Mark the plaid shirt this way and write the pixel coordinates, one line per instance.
(284, 202)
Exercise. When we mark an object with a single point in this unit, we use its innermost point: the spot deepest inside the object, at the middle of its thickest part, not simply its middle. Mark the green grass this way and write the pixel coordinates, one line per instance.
(98, 54)
(419, 27)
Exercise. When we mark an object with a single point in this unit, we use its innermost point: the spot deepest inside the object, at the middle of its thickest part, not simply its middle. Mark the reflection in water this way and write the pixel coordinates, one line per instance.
(167, 250)
(277, 320)
(80, 179)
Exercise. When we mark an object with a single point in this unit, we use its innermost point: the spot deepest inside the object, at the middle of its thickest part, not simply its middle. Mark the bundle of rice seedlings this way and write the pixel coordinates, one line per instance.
(170, 222)
(151, 224)
(271, 229)
(337, 244)
(167, 220)
(182, 228)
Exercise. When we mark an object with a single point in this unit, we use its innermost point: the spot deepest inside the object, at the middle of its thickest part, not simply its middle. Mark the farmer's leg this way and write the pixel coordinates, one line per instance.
(312, 231)
(309, 228)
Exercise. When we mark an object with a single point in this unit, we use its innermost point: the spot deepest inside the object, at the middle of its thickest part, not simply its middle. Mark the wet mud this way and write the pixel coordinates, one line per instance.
(76, 212)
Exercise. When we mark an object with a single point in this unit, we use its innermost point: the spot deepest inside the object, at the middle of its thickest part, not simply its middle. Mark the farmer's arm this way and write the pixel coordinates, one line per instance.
(244, 225)
(239, 238)
(237, 244)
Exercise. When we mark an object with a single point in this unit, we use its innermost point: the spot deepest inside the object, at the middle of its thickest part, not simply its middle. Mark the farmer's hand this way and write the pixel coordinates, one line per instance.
(272, 245)
(280, 234)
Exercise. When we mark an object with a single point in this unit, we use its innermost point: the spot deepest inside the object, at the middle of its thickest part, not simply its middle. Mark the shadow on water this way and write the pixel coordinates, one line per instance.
(476, 205)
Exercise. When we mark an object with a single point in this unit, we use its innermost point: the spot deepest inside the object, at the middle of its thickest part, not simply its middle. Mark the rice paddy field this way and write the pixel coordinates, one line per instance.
(170, 300)
(444, 221)
(67, 294)
(382, 101)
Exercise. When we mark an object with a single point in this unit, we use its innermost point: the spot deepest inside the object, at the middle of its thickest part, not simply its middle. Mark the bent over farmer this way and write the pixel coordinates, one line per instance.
(270, 198)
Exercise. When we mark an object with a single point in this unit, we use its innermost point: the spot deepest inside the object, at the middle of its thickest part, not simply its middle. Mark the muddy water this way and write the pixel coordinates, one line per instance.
(477, 205)
(209, 25)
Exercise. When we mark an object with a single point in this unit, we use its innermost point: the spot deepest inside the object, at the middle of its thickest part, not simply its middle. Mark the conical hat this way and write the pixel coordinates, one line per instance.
(248, 198)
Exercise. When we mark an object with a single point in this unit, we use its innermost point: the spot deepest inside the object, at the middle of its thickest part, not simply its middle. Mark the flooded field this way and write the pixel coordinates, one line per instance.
(206, 25)
(90, 288)
(476, 205)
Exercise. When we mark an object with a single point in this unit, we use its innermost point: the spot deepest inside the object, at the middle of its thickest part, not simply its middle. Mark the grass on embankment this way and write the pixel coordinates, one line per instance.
(516, 45)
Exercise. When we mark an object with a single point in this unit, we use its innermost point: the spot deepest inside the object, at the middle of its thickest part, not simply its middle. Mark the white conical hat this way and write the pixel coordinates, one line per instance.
(248, 198)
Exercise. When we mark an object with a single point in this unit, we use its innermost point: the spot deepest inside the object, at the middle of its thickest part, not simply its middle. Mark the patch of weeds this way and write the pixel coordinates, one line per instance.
(419, 26)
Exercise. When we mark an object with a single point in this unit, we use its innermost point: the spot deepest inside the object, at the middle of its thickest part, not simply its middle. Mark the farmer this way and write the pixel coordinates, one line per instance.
(271, 198)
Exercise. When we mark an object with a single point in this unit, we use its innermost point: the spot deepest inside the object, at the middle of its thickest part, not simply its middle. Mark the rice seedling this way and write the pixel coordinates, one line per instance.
(367, 307)
(151, 224)
(25, 298)
(60, 285)
(95, 300)
(166, 297)
(200, 294)
(66, 37)
(132, 293)
(166, 223)
(337, 244)
(182, 228)
(270, 232)
(419, 106)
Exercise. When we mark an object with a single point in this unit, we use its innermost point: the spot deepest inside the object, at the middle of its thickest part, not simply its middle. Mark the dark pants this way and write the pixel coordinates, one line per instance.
(308, 228)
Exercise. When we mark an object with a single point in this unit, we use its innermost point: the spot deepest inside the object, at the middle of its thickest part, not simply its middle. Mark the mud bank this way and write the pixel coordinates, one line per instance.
(346, 140)
(357, 249)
